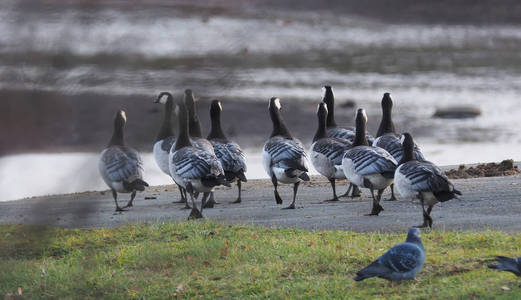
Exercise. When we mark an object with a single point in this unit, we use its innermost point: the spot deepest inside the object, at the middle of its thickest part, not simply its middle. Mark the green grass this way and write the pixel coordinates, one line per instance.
(208, 260)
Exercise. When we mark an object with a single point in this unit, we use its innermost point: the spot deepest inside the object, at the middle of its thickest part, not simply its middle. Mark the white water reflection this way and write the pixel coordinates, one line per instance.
(29, 175)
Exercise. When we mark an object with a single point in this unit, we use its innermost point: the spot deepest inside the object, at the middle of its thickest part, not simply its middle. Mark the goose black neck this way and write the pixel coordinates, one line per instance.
(321, 129)
(360, 137)
(183, 139)
(216, 131)
(279, 128)
(166, 126)
(386, 125)
(118, 138)
(408, 149)
(194, 125)
(329, 99)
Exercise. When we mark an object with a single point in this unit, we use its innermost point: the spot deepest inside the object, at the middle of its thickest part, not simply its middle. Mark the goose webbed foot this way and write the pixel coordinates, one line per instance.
(195, 214)
(187, 206)
(355, 193)
(292, 206)
(377, 208)
(120, 209)
(332, 200)
(237, 201)
(209, 204)
(427, 222)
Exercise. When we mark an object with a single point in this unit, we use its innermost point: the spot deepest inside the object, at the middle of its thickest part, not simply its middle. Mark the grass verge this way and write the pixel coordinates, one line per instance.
(209, 260)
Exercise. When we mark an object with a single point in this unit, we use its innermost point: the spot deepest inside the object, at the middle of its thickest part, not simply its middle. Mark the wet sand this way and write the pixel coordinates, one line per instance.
(487, 203)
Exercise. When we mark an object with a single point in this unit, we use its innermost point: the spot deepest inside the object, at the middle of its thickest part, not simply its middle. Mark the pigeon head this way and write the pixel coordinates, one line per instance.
(413, 236)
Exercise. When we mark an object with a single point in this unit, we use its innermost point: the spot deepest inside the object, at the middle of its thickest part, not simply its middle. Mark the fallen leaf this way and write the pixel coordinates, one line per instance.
(338, 247)
(106, 235)
(254, 236)
(226, 243)
(20, 290)
(311, 244)
(224, 251)
(505, 288)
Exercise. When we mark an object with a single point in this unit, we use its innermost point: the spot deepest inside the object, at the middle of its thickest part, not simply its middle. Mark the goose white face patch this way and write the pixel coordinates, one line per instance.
(277, 103)
(323, 92)
(220, 106)
(163, 99)
(123, 115)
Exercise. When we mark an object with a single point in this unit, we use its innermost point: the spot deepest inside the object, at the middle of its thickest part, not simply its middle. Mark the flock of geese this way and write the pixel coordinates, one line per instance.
(197, 164)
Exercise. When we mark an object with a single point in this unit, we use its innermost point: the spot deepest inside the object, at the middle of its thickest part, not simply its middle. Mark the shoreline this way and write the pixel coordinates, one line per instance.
(494, 205)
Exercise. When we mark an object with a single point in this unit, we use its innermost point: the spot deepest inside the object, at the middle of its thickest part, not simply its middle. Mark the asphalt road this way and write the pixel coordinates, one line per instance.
(487, 203)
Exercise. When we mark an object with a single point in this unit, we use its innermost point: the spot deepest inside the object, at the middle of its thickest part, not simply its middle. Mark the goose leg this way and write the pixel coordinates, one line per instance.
(239, 188)
(132, 196)
(377, 208)
(393, 197)
(182, 192)
(203, 201)
(211, 202)
(427, 220)
(195, 213)
(356, 191)
(115, 196)
(295, 189)
(276, 192)
(335, 198)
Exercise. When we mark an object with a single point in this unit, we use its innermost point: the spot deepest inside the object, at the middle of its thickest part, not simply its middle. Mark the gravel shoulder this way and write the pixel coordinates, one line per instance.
(487, 203)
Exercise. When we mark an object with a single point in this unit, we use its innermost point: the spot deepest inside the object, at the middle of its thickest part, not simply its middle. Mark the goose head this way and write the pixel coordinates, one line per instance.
(215, 107)
(387, 102)
(328, 97)
(164, 98)
(121, 119)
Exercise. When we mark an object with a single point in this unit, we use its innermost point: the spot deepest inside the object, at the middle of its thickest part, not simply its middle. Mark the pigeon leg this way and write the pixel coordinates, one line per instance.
(377, 208)
(276, 192)
(132, 196)
(195, 213)
(115, 196)
(239, 188)
(393, 197)
(335, 198)
(295, 189)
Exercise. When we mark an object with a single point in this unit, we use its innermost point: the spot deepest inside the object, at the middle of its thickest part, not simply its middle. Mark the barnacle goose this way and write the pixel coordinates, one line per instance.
(284, 157)
(326, 152)
(166, 139)
(422, 180)
(120, 166)
(387, 138)
(196, 170)
(367, 166)
(229, 153)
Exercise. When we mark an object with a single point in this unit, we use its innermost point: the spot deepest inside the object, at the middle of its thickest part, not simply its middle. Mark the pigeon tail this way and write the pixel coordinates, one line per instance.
(375, 269)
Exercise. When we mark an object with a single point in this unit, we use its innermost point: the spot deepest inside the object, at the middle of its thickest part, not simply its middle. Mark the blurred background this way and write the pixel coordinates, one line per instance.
(66, 66)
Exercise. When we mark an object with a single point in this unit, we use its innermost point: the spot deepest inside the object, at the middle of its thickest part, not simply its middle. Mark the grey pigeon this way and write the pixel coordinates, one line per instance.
(401, 262)
(508, 264)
